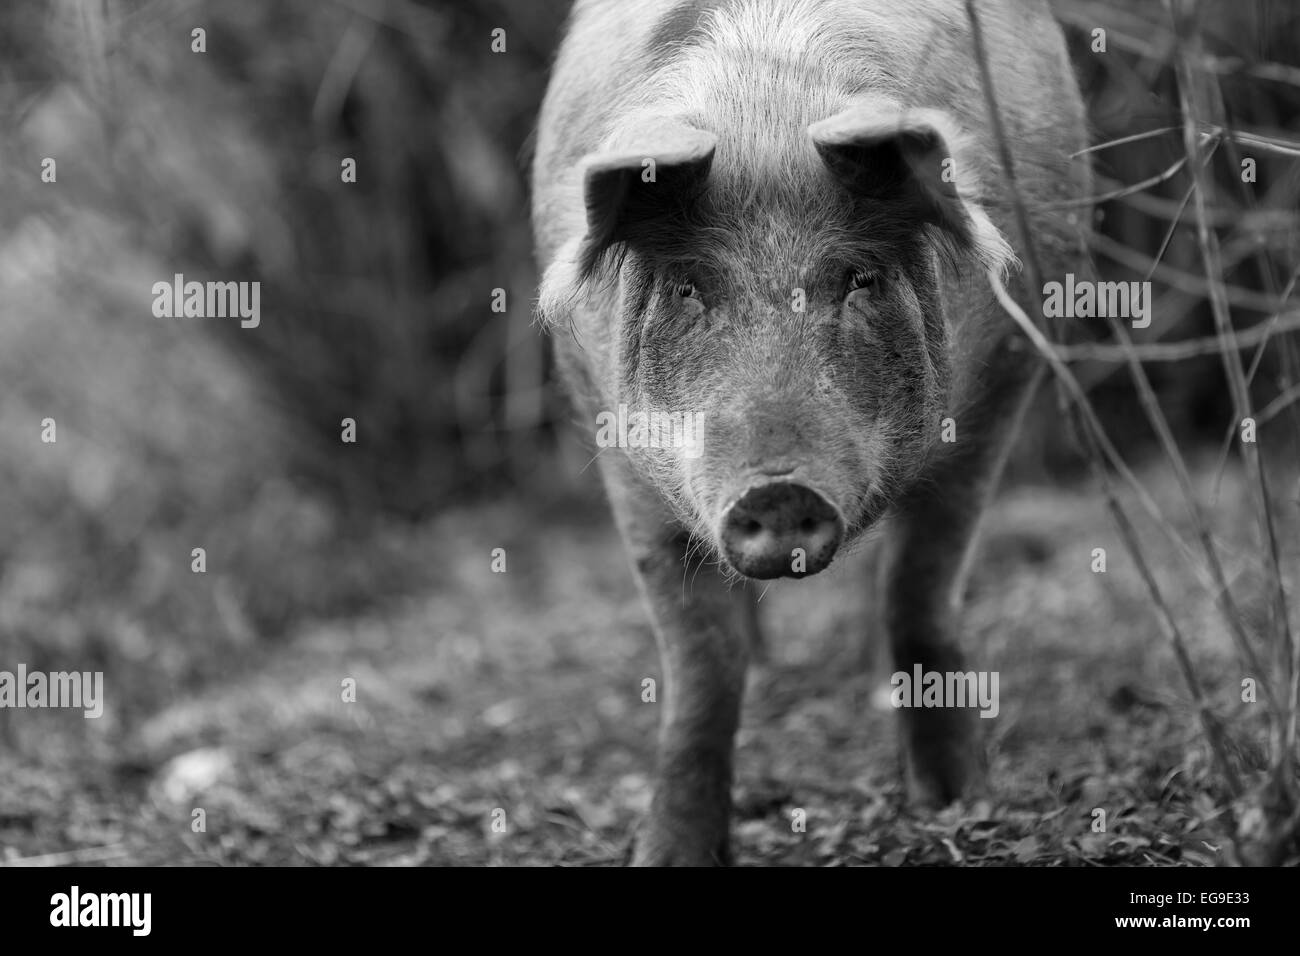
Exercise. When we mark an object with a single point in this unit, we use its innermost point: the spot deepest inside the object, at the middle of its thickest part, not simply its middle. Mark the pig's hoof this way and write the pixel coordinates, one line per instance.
(941, 773)
(661, 849)
(944, 775)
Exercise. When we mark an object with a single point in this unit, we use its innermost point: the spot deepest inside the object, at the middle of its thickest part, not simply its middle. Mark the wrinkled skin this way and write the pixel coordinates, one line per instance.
(836, 396)
(801, 272)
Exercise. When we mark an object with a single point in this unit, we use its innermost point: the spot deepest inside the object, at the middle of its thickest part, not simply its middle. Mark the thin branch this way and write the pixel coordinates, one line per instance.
(1242, 220)
(1188, 282)
(1282, 322)
(1122, 192)
(1227, 604)
(1277, 406)
(1100, 446)
(1194, 97)
(1272, 326)
(1230, 66)
(1124, 140)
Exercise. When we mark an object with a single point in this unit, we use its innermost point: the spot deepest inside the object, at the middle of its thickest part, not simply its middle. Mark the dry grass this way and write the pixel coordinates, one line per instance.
(1260, 805)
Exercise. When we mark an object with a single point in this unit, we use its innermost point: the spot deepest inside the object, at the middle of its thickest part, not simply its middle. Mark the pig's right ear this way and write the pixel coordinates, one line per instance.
(644, 194)
(897, 159)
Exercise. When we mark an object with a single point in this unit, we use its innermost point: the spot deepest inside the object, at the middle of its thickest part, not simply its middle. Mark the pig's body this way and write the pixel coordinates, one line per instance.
(798, 146)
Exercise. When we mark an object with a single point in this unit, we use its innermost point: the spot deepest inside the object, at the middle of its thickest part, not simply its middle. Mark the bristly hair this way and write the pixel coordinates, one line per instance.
(708, 238)
(818, 219)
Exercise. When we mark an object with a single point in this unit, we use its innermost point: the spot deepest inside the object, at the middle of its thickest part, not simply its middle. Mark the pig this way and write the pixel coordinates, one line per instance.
(782, 216)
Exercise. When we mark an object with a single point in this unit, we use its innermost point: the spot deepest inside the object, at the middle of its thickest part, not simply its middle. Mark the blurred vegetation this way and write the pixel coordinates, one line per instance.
(375, 306)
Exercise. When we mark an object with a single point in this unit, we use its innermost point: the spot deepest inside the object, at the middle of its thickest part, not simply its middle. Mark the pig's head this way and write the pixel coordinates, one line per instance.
(786, 300)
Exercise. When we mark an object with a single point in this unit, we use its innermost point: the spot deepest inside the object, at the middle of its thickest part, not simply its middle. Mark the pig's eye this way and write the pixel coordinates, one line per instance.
(863, 279)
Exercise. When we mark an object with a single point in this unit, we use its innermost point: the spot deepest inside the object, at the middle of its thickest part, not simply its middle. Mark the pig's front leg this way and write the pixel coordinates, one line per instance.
(943, 756)
(703, 628)
(931, 543)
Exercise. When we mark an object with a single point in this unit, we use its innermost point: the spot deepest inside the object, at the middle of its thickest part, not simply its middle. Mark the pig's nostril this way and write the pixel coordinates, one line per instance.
(781, 529)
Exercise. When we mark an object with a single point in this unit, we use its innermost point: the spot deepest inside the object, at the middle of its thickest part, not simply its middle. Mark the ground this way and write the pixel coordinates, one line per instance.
(517, 697)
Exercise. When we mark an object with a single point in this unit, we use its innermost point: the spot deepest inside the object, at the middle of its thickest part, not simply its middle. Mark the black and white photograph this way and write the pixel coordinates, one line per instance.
(692, 433)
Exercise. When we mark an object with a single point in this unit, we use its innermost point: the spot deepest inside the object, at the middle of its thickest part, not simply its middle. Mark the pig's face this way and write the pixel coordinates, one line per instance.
(809, 376)
(792, 315)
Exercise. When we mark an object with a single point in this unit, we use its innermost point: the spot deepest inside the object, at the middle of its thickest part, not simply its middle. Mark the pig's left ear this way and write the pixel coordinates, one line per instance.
(907, 161)
(639, 192)
(643, 193)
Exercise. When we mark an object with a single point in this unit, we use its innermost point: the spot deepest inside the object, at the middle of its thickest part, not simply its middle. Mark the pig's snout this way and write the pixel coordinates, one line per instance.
(781, 529)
